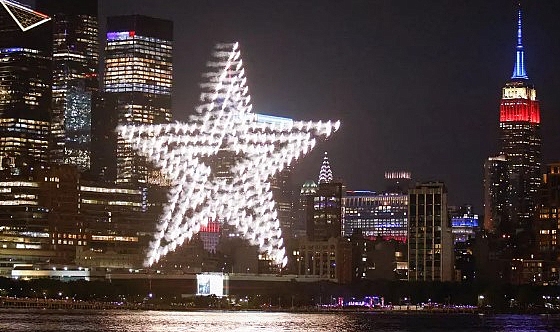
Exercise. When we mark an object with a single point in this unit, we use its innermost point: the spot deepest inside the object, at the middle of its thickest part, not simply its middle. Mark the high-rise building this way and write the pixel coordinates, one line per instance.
(496, 197)
(25, 81)
(324, 208)
(548, 222)
(430, 241)
(520, 141)
(281, 185)
(376, 215)
(75, 78)
(137, 86)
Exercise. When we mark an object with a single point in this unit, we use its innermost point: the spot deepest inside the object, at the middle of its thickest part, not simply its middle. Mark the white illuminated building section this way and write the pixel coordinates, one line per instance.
(185, 152)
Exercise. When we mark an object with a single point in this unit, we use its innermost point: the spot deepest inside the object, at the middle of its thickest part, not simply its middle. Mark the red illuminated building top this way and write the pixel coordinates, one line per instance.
(519, 98)
(520, 110)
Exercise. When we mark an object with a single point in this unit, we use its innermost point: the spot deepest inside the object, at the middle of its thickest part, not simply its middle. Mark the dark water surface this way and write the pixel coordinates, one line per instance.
(227, 321)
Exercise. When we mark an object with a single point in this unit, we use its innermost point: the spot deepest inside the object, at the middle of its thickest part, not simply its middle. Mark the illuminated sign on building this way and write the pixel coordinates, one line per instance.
(121, 35)
(211, 284)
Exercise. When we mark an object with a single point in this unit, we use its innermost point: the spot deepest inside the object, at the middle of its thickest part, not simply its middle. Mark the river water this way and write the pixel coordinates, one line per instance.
(227, 321)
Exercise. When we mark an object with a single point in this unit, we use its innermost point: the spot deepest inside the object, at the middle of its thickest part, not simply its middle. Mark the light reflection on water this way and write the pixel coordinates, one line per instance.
(143, 321)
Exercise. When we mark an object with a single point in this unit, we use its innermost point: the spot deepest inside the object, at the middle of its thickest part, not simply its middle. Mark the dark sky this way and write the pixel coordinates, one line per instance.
(416, 84)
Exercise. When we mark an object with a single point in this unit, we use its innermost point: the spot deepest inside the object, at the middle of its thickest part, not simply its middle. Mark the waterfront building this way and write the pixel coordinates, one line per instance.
(24, 224)
(51, 215)
(25, 81)
(75, 86)
(430, 241)
(374, 259)
(329, 259)
(137, 87)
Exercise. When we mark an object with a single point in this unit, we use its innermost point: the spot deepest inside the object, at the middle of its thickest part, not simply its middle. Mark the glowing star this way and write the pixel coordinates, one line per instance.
(223, 132)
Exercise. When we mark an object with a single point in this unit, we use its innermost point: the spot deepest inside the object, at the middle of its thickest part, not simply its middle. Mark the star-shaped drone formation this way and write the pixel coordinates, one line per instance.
(187, 153)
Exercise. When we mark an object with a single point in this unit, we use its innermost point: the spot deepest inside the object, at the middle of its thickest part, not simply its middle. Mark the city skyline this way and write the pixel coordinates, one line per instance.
(391, 73)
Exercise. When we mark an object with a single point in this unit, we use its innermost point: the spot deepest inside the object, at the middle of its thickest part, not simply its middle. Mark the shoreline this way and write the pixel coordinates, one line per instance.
(8, 303)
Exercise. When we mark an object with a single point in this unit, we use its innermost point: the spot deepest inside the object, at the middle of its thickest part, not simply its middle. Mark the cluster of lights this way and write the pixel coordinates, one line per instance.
(184, 152)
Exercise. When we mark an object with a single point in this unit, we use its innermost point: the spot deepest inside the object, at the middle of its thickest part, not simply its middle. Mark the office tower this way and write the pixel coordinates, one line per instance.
(117, 223)
(25, 80)
(496, 195)
(464, 223)
(281, 184)
(308, 189)
(75, 78)
(137, 88)
(376, 215)
(430, 242)
(520, 142)
(324, 208)
(548, 222)
(397, 181)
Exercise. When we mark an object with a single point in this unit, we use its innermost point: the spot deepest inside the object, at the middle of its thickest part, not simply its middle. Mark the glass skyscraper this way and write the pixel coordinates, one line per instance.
(25, 80)
(137, 84)
(75, 78)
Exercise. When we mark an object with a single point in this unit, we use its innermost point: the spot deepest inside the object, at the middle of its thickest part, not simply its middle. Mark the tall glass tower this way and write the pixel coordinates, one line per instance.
(520, 141)
(25, 81)
(75, 78)
(137, 83)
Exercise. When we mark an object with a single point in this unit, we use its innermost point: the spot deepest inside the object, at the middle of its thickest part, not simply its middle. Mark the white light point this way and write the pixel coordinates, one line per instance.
(223, 122)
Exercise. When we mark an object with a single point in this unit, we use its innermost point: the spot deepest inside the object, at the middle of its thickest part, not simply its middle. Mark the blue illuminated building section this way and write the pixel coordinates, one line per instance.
(464, 221)
(464, 227)
(120, 35)
(519, 67)
(376, 215)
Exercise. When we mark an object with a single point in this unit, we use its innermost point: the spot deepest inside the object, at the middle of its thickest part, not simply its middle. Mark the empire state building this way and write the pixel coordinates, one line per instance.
(520, 143)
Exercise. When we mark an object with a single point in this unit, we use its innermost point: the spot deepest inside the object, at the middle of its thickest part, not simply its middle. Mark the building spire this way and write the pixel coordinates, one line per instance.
(325, 175)
(519, 67)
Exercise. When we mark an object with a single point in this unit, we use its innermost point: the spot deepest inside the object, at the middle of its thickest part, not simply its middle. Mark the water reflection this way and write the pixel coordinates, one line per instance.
(143, 321)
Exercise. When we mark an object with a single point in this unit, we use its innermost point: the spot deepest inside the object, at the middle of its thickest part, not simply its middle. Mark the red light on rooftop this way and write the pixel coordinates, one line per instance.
(132, 33)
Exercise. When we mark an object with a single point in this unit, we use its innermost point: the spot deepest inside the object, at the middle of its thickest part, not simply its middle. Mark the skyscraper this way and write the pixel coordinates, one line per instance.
(25, 80)
(520, 141)
(324, 207)
(430, 241)
(137, 86)
(75, 78)
(496, 197)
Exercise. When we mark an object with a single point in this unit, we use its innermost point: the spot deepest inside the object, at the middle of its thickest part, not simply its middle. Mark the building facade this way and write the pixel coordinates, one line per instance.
(520, 142)
(137, 86)
(548, 222)
(75, 85)
(496, 194)
(430, 241)
(25, 81)
(376, 215)
(324, 208)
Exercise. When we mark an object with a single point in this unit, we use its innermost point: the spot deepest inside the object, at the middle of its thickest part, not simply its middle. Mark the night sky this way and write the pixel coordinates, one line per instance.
(416, 84)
